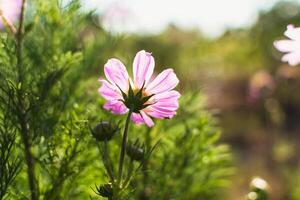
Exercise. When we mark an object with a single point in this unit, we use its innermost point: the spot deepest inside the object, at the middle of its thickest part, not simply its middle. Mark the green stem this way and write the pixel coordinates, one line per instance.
(29, 162)
(22, 109)
(145, 164)
(19, 47)
(123, 148)
(130, 170)
(107, 164)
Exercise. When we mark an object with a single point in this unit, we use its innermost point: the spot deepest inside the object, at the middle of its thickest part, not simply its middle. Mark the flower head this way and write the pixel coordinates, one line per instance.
(259, 183)
(146, 97)
(290, 46)
(10, 9)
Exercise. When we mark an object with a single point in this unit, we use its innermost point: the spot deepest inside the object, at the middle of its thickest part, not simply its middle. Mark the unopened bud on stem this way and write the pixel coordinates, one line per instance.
(105, 190)
(135, 151)
(104, 131)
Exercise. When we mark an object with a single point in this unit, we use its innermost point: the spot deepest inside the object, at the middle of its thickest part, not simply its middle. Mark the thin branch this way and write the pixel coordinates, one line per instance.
(22, 116)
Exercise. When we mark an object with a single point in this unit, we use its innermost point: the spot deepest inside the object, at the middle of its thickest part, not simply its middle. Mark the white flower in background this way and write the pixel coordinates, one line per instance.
(290, 46)
(259, 183)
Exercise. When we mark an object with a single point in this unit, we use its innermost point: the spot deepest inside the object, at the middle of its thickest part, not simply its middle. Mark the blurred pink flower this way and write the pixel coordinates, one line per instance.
(261, 83)
(145, 96)
(11, 10)
(116, 17)
(290, 46)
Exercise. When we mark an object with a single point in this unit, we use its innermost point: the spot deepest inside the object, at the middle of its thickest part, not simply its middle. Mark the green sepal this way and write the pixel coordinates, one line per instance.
(135, 101)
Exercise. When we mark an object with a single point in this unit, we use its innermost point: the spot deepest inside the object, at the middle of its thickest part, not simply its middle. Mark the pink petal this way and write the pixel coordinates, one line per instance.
(142, 118)
(143, 66)
(137, 118)
(165, 81)
(287, 45)
(109, 91)
(117, 74)
(148, 121)
(168, 106)
(117, 107)
(292, 32)
(164, 110)
(159, 113)
(292, 58)
(165, 105)
(169, 95)
(167, 100)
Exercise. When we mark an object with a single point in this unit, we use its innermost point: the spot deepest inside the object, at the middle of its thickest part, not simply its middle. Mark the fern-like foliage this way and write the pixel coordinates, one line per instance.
(188, 162)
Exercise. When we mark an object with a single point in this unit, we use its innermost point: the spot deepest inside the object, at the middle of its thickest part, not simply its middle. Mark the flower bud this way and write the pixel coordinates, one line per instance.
(104, 131)
(105, 190)
(135, 151)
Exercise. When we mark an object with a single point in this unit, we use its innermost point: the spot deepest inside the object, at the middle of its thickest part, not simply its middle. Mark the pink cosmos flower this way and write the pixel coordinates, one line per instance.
(290, 46)
(146, 96)
(10, 9)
